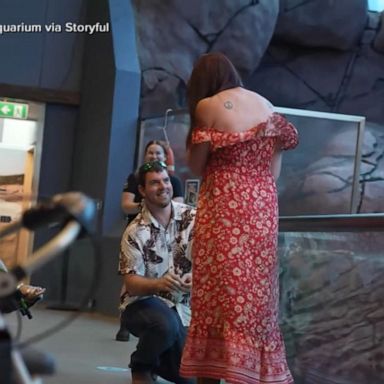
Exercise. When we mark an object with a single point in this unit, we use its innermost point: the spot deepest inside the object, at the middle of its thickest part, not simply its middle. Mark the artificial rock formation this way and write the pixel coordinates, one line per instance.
(321, 55)
(321, 23)
(298, 54)
(172, 34)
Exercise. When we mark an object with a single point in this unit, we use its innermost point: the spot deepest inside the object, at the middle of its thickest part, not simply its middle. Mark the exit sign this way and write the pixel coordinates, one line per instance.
(13, 110)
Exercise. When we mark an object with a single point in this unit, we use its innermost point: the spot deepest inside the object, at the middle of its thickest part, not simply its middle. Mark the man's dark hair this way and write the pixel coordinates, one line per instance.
(150, 166)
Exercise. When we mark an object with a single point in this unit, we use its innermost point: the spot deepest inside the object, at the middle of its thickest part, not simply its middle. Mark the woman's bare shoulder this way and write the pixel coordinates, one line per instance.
(257, 97)
(205, 111)
(207, 108)
(204, 104)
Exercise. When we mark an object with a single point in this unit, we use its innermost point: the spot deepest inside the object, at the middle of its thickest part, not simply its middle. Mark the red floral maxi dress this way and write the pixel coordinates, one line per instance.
(234, 333)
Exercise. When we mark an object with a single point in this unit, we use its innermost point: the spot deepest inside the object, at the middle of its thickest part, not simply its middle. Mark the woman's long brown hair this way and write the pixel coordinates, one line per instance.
(212, 73)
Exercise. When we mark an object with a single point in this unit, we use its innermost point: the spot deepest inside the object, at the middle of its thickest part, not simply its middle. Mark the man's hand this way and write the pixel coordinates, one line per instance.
(170, 282)
(186, 283)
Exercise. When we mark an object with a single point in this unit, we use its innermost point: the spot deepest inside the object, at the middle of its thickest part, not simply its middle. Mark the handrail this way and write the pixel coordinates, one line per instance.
(370, 222)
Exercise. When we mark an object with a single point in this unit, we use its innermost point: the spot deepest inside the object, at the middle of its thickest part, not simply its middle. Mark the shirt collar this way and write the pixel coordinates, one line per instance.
(147, 218)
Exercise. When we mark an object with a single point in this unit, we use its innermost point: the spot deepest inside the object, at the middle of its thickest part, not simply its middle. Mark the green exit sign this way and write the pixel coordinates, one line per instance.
(13, 110)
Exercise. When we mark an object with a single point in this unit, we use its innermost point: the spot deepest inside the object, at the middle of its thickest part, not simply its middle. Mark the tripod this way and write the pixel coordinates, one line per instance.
(12, 365)
(18, 366)
(76, 211)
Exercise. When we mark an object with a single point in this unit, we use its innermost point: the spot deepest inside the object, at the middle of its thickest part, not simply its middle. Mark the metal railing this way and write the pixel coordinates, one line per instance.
(327, 223)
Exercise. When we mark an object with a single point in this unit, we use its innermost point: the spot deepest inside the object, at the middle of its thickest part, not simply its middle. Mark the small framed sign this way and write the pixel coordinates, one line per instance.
(192, 187)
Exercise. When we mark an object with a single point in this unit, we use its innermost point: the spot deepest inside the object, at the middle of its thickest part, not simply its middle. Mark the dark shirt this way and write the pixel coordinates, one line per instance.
(131, 186)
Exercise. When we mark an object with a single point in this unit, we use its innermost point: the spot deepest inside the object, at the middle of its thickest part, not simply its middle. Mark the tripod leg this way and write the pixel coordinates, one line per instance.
(20, 371)
(5, 354)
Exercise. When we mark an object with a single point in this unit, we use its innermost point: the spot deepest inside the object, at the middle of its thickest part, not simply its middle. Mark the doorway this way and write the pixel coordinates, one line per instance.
(21, 137)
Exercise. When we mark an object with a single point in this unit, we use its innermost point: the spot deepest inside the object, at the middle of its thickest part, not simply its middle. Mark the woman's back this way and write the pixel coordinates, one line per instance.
(234, 137)
(233, 110)
(235, 305)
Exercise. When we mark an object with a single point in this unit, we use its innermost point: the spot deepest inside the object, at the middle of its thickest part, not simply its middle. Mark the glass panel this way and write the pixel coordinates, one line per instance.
(319, 177)
(177, 130)
(332, 313)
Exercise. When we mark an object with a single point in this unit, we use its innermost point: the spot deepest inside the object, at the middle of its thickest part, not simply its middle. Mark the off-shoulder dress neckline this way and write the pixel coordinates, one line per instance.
(252, 129)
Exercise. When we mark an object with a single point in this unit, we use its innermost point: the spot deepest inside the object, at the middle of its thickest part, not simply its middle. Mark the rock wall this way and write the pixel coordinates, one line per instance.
(321, 55)
(172, 34)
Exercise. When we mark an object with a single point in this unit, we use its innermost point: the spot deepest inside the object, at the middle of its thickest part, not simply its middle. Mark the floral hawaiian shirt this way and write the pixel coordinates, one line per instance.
(148, 249)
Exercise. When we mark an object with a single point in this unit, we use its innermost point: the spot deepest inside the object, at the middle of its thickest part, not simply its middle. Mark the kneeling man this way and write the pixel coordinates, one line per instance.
(155, 262)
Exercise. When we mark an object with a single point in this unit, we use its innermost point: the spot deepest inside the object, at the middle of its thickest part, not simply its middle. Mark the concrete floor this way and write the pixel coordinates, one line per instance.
(85, 351)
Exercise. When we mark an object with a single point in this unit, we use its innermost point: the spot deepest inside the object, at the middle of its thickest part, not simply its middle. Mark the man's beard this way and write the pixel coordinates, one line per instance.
(160, 202)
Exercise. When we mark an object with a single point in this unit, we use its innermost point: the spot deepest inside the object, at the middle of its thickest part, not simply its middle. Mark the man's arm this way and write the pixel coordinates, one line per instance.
(132, 268)
(143, 286)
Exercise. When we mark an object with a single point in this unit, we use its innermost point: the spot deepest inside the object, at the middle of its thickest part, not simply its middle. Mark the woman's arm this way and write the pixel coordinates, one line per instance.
(197, 154)
(276, 163)
(128, 205)
(197, 157)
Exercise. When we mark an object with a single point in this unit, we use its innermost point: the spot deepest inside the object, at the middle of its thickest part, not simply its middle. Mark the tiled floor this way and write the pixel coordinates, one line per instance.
(85, 351)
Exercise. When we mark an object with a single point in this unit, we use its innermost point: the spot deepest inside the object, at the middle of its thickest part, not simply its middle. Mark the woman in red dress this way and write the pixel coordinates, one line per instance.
(235, 143)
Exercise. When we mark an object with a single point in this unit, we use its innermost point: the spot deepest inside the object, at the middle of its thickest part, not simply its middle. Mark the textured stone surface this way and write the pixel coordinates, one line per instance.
(322, 23)
(325, 185)
(349, 82)
(302, 78)
(172, 34)
(378, 43)
(372, 175)
(317, 60)
(324, 188)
